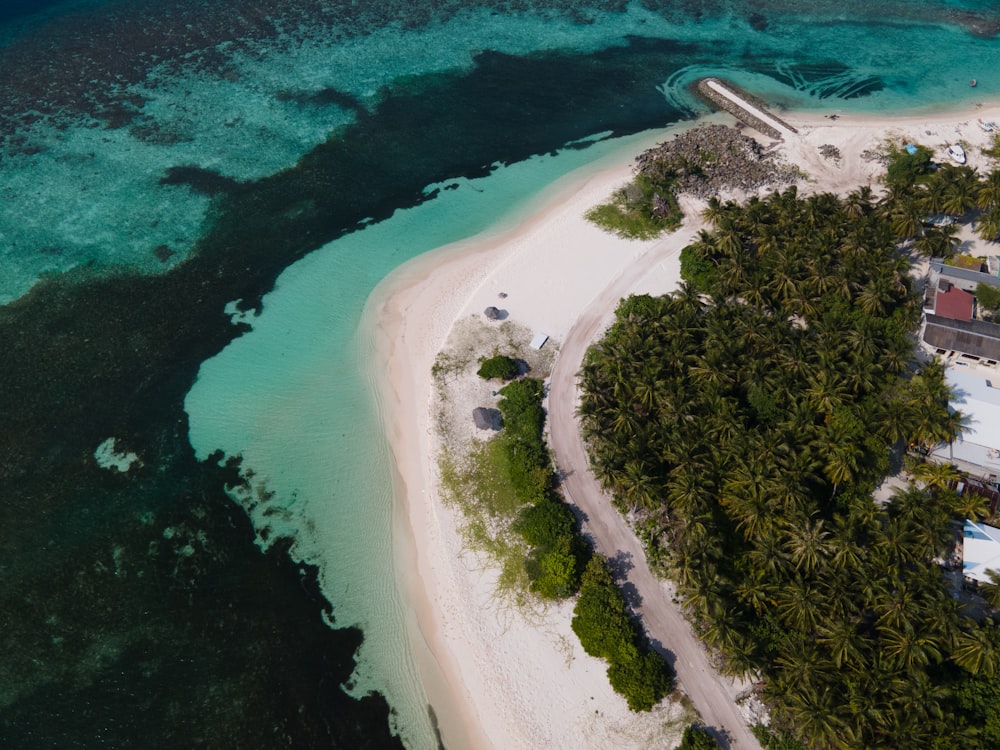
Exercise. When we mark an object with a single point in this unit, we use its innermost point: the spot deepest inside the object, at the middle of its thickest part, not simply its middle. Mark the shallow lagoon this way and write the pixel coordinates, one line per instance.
(442, 93)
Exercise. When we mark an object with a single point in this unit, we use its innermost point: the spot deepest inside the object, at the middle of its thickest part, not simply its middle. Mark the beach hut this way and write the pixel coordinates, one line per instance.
(492, 313)
(486, 419)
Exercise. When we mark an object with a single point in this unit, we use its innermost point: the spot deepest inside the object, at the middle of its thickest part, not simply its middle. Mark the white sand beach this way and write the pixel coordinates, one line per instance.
(495, 678)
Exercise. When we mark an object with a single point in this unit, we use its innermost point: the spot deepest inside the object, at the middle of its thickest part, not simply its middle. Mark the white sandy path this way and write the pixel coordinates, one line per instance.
(494, 680)
(764, 117)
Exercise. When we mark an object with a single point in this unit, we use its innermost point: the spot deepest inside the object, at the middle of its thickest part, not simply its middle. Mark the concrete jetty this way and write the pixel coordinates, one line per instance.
(727, 97)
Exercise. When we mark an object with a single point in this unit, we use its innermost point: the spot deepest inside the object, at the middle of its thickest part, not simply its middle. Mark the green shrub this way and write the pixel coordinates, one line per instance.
(521, 406)
(696, 738)
(643, 681)
(599, 618)
(557, 553)
(775, 739)
(555, 570)
(601, 623)
(641, 210)
(543, 523)
(499, 367)
(988, 296)
(696, 268)
(993, 150)
(906, 168)
(640, 305)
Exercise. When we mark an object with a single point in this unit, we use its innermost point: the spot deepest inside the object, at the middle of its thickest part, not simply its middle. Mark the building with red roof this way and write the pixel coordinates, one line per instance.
(952, 302)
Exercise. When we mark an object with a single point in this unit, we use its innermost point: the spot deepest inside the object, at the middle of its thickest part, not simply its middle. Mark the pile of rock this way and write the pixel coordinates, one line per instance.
(713, 158)
(829, 151)
(873, 155)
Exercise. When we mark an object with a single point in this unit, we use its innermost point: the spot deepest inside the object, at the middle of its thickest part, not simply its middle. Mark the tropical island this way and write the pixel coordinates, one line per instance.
(758, 406)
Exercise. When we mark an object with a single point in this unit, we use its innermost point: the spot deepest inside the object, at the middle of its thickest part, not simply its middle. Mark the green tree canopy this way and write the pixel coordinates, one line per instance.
(988, 296)
(906, 168)
(696, 738)
(499, 367)
(752, 415)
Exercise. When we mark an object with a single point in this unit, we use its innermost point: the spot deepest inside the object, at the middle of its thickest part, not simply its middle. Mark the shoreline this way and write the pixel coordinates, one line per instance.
(410, 315)
(554, 266)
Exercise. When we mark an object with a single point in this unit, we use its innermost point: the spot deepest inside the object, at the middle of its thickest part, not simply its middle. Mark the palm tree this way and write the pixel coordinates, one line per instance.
(938, 242)
(991, 589)
(933, 198)
(842, 640)
(974, 648)
(637, 486)
(752, 591)
(826, 390)
(845, 552)
(717, 210)
(798, 606)
(859, 202)
(935, 473)
(906, 219)
(815, 716)
(907, 648)
(970, 505)
(842, 460)
(961, 188)
(989, 191)
(988, 225)
(806, 544)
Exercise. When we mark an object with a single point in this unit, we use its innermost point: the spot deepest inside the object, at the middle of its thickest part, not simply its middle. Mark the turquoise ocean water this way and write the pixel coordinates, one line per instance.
(164, 162)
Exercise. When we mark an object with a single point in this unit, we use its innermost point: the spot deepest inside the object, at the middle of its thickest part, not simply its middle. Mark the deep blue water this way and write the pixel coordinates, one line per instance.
(161, 160)
(13, 9)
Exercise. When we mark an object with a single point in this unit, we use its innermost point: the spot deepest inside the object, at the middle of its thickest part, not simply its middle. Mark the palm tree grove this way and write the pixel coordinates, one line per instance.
(744, 423)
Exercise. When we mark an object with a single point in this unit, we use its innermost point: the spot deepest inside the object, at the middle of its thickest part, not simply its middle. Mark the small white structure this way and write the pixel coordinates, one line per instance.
(539, 341)
(982, 551)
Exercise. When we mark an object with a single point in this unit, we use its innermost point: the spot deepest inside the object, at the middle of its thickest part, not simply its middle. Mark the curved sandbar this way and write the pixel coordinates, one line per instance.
(494, 679)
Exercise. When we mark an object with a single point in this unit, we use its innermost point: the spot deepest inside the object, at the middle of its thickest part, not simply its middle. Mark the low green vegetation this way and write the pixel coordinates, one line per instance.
(557, 553)
(498, 367)
(641, 210)
(988, 297)
(696, 738)
(746, 421)
(507, 492)
(968, 262)
(479, 485)
(993, 150)
(775, 740)
(508, 496)
(905, 168)
(602, 624)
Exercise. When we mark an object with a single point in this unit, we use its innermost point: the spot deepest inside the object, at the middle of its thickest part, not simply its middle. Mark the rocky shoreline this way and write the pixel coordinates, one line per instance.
(714, 158)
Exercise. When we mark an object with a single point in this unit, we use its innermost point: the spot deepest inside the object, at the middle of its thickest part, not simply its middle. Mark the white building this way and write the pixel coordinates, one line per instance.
(978, 399)
(981, 551)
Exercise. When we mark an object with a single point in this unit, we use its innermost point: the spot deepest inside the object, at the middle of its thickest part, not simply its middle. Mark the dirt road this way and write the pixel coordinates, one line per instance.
(711, 694)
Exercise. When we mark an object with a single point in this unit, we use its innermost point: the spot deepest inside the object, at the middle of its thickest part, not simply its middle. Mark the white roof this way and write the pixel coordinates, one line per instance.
(982, 550)
(539, 341)
(979, 401)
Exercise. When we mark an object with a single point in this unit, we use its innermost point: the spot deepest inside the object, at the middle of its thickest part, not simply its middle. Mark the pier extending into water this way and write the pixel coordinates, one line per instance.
(726, 96)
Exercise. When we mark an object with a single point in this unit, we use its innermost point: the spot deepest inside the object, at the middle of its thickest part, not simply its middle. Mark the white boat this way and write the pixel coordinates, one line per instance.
(956, 153)
(988, 125)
